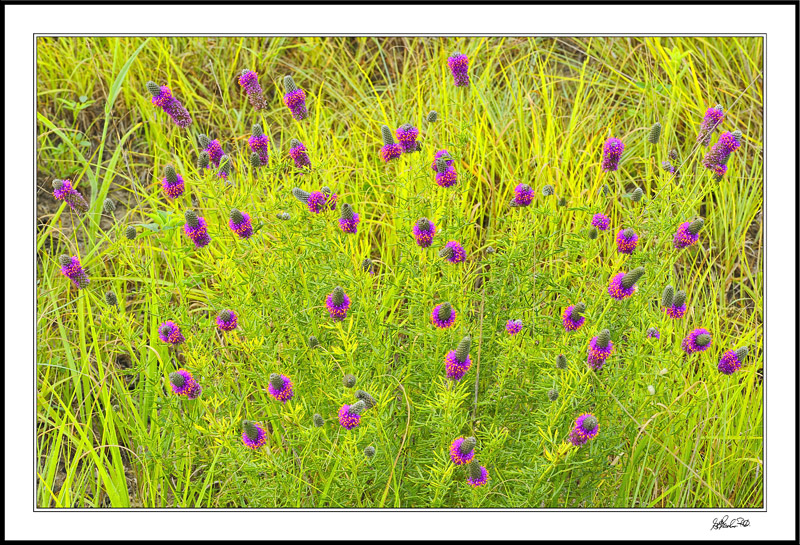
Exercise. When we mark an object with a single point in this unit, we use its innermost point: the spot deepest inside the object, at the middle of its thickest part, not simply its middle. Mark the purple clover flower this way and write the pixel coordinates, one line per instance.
(184, 384)
(227, 320)
(63, 191)
(716, 159)
(444, 155)
(391, 151)
(730, 362)
(627, 241)
(196, 229)
(687, 234)
(600, 348)
(259, 144)
(162, 97)
(443, 315)
(172, 183)
(349, 220)
(407, 136)
(424, 231)
(350, 415)
(612, 151)
(584, 430)
(295, 99)
(456, 369)
(215, 153)
(677, 306)
(239, 223)
(298, 152)
(523, 195)
(253, 435)
(698, 340)
(71, 268)
(711, 121)
(478, 475)
(453, 252)
(249, 82)
(280, 387)
(462, 450)
(601, 221)
(668, 167)
(652, 333)
(513, 327)
(459, 67)
(316, 201)
(337, 302)
(170, 333)
(572, 318)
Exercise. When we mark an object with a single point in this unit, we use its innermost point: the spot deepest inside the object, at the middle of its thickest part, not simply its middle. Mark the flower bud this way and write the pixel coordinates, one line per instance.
(475, 472)
(369, 451)
(366, 399)
(289, 84)
(703, 339)
(680, 298)
(177, 379)
(695, 226)
(637, 194)
(547, 190)
(318, 421)
(561, 361)
(655, 134)
(386, 132)
(312, 342)
(349, 381)
(552, 395)
(130, 232)
(632, 277)
(603, 338)
(667, 296)
(250, 429)
(462, 351)
(153, 87)
(282, 216)
(204, 141)
(255, 160)
(366, 265)
(300, 195)
(589, 423)
(347, 211)
(236, 216)
(203, 159)
(562, 202)
(467, 445)
(257, 130)
(358, 407)
(432, 116)
(593, 233)
(445, 311)
(111, 299)
(741, 354)
(276, 380)
(338, 296)
(441, 165)
(577, 310)
(109, 206)
(191, 218)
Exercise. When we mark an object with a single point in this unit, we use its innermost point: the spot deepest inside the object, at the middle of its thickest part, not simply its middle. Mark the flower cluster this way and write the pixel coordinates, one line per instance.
(424, 231)
(249, 82)
(584, 430)
(627, 241)
(698, 340)
(443, 315)
(687, 233)
(162, 97)
(462, 450)
(71, 268)
(572, 318)
(407, 136)
(259, 143)
(390, 150)
(612, 151)
(513, 327)
(295, 99)
(297, 151)
(184, 384)
(731, 361)
(601, 221)
(227, 320)
(453, 252)
(600, 348)
(170, 333)
(196, 229)
(349, 220)
(523, 195)
(337, 302)
(63, 191)
(239, 223)
(457, 362)
(172, 183)
(350, 415)
(623, 285)
(280, 387)
(459, 67)
(253, 435)
(711, 121)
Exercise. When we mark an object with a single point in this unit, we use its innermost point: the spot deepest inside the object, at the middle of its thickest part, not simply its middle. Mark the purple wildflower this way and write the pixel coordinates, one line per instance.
(675, 311)
(652, 333)
(71, 268)
(253, 435)
(459, 66)
(711, 121)
(295, 99)
(215, 152)
(162, 97)
(172, 183)
(441, 154)
(668, 167)
(298, 152)
(170, 333)
(601, 221)
(457, 362)
(227, 320)
(627, 241)
(350, 415)
(687, 233)
(407, 136)
(462, 450)
(259, 144)
(316, 201)
(731, 361)
(612, 151)
(453, 252)
(584, 430)
(443, 315)
(337, 302)
(249, 81)
(523, 195)
(446, 176)
(330, 198)
(720, 152)
(424, 230)
(63, 191)
(600, 348)
(280, 387)
(513, 327)
(698, 340)
(239, 223)
(196, 229)
(623, 285)
(572, 318)
(478, 475)
(390, 149)
(184, 384)
(349, 220)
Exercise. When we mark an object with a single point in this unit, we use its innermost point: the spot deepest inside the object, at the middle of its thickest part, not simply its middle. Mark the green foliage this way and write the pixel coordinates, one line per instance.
(111, 433)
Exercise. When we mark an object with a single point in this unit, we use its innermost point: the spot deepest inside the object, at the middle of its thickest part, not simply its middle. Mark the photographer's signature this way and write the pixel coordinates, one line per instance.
(737, 522)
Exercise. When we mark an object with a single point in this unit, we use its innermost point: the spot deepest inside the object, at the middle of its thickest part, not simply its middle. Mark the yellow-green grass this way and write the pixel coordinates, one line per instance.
(111, 433)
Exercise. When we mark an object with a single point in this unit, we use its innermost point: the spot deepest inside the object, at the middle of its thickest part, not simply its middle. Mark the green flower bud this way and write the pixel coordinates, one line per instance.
(695, 226)
(153, 87)
(589, 423)
(441, 164)
(250, 429)
(366, 265)
(673, 155)
(741, 354)
(300, 195)
(562, 202)
(288, 84)
(255, 160)
(467, 445)
(474, 470)
(703, 339)
(130, 232)
(667, 296)
(462, 350)
(628, 233)
(318, 421)
(349, 381)
(680, 298)
(276, 381)
(445, 311)
(109, 206)
(577, 310)
(282, 216)
(737, 134)
(203, 159)
(236, 216)
(632, 277)
(171, 175)
(637, 194)
(226, 315)
(446, 252)
(191, 218)
(386, 132)
(593, 233)
(204, 141)
(369, 451)
(655, 134)
(111, 298)
(338, 296)
(432, 116)
(312, 342)
(177, 379)
(347, 211)
(358, 407)
(603, 338)
(225, 165)
(561, 361)
(547, 190)
(552, 395)
(257, 130)
(366, 399)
